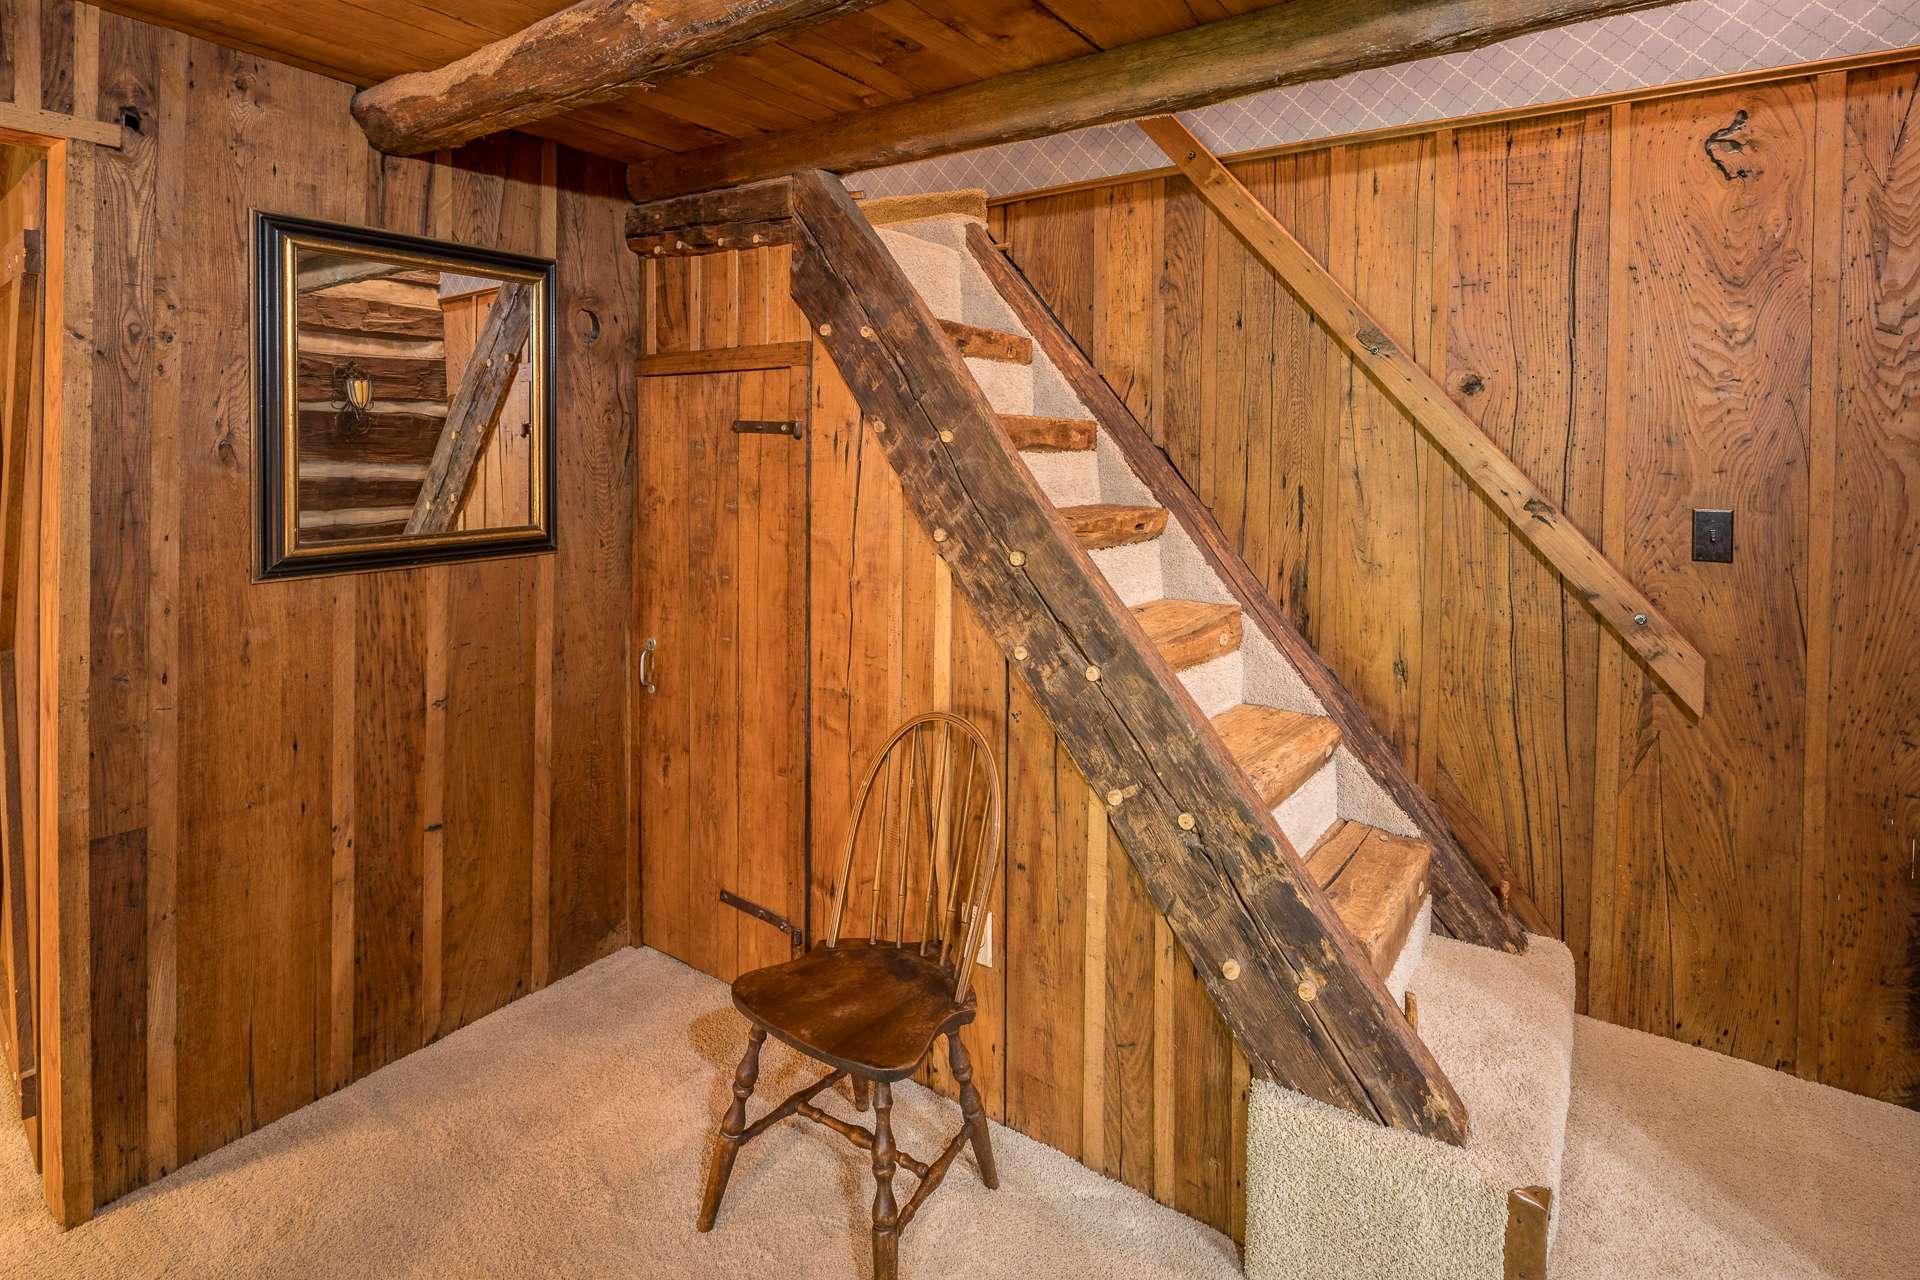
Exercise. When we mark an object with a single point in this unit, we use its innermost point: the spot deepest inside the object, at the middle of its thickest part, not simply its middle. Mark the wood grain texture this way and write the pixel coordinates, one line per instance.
(1398, 373)
(875, 326)
(1868, 1038)
(587, 53)
(1306, 40)
(237, 769)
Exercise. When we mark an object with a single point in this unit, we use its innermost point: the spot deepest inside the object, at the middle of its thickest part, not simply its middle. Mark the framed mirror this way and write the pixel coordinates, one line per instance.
(405, 399)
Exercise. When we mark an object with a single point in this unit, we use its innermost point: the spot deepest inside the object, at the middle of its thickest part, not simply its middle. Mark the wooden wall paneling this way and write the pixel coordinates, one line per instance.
(980, 691)
(1044, 929)
(255, 846)
(1829, 246)
(1507, 724)
(1868, 1037)
(1181, 302)
(1720, 320)
(1369, 592)
(663, 604)
(486, 904)
(773, 604)
(119, 789)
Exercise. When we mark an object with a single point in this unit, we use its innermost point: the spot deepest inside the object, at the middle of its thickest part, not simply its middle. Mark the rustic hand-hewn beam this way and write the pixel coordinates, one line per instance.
(1294, 986)
(1287, 44)
(1539, 522)
(483, 389)
(592, 52)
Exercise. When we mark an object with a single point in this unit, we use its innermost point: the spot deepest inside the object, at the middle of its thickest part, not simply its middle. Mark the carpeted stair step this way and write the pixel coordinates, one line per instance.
(1332, 1195)
(1035, 433)
(1279, 750)
(977, 342)
(1100, 525)
(1190, 632)
(1377, 882)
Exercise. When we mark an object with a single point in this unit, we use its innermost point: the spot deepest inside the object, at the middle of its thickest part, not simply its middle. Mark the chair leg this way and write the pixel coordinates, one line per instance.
(886, 1213)
(862, 1092)
(731, 1129)
(972, 1112)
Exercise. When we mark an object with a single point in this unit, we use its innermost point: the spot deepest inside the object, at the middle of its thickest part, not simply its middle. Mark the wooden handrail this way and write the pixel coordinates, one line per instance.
(1538, 521)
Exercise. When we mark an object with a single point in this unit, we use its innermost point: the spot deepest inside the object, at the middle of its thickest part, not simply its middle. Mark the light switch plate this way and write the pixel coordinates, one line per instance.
(1713, 536)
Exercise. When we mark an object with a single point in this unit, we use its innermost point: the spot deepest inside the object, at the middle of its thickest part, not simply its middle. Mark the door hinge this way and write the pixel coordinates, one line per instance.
(769, 915)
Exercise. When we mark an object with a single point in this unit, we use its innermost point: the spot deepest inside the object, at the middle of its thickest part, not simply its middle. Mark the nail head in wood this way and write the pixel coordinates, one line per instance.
(1093, 673)
(1307, 992)
(1114, 797)
(826, 330)
(1230, 970)
(1187, 822)
(946, 437)
(1639, 619)
(1016, 558)
(939, 535)
(866, 331)
(1020, 653)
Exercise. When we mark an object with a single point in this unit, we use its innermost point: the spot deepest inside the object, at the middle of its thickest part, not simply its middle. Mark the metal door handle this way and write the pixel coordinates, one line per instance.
(646, 664)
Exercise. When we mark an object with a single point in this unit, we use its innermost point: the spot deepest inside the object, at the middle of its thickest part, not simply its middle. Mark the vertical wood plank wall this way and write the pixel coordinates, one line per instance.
(1639, 330)
(1704, 300)
(306, 827)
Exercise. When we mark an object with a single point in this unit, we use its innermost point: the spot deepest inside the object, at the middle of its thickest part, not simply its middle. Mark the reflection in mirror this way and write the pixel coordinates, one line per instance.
(412, 403)
(382, 352)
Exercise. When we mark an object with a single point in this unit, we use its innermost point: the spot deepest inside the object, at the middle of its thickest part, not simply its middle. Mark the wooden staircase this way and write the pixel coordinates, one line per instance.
(1375, 879)
(1274, 831)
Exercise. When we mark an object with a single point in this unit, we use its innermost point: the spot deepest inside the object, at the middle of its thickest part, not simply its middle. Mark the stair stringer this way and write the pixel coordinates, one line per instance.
(1373, 782)
(1291, 982)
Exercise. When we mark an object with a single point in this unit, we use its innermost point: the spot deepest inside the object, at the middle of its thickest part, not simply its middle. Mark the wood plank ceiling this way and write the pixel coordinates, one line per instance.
(896, 50)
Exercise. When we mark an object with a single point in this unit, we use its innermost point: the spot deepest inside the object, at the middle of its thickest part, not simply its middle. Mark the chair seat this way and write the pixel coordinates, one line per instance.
(873, 1009)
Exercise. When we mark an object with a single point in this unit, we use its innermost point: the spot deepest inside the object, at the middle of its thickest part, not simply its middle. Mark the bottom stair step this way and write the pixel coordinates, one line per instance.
(1332, 1195)
(1376, 882)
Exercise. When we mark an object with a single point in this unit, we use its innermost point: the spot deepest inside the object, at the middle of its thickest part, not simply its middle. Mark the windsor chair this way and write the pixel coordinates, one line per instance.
(871, 1008)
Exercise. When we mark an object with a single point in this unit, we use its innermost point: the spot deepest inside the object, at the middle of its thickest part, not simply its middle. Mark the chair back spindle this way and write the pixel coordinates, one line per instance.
(926, 826)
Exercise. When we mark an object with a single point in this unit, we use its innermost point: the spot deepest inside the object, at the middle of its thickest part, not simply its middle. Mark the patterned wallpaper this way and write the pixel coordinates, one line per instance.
(1685, 41)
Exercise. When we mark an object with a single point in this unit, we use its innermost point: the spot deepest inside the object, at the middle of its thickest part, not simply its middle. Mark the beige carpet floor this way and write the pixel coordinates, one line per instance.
(565, 1137)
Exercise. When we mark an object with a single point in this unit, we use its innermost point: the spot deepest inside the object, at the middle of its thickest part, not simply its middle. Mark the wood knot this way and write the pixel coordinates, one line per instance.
(1472, 385)
(1727, 150)
(1540, 509)
(1376, 342)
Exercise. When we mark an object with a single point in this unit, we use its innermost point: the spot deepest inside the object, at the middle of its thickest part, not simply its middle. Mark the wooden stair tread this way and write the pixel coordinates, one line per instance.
(1032, 433)
(1376, 882)
(1100, 525)
(1190, 632)
(989, 344)
(1279, 750)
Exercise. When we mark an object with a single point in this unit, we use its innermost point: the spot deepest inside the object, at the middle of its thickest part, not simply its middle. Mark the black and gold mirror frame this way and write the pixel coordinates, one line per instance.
(405, 400)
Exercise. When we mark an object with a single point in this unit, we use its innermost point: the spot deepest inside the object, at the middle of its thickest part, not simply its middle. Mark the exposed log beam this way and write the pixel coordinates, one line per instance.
(594, 51)
(1287, 44)
(476, 404)
(1540, 523)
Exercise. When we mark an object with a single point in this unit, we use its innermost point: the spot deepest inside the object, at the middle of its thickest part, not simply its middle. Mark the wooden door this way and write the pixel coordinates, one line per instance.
(721, 594)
